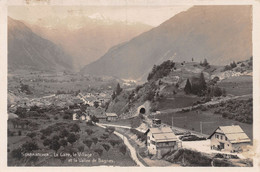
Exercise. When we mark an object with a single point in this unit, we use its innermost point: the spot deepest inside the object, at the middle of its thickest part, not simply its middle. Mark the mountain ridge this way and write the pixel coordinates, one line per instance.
(220, 34)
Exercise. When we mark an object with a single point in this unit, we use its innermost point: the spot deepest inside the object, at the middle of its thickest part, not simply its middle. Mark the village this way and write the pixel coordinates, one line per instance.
(153, 140)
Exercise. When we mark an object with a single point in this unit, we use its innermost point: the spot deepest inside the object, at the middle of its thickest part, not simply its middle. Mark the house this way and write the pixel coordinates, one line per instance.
(161, 140)
(111, 116)
(75, 116)
(229, 138)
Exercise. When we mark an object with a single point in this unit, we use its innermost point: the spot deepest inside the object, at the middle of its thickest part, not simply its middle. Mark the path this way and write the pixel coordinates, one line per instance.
(130, 147)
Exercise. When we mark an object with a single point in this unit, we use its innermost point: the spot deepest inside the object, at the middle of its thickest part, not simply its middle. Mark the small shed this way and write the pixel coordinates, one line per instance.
(111, 116)
(229, 138)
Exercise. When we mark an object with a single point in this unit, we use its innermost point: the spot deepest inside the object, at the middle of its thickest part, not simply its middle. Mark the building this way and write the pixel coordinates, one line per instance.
(229, 138)
(161, 140)
(111, 116)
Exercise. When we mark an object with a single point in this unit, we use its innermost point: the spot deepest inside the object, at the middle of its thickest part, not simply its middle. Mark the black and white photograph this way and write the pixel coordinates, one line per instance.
(110, 84)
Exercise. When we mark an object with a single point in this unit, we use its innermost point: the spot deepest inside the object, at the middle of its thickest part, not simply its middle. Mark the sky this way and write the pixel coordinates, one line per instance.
(149, 15)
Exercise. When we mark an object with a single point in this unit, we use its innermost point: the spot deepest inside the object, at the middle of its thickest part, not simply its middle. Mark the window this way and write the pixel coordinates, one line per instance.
(148, 138)
(226, 138)
(148, 144)
(217, 136)
(221, 137)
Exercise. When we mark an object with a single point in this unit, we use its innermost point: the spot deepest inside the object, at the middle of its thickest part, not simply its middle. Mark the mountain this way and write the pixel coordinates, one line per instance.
(87, 38)
(220, 34)
(28, 50)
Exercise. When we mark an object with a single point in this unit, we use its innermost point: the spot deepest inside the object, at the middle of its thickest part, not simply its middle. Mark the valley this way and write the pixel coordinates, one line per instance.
(89, 92)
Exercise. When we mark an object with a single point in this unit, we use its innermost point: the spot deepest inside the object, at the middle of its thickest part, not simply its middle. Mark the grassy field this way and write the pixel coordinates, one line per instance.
(191, 120)
(240, 85)
(177, 102)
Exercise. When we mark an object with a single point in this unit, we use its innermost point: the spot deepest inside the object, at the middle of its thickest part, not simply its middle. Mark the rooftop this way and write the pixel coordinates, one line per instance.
(234, 133)
(164, 134)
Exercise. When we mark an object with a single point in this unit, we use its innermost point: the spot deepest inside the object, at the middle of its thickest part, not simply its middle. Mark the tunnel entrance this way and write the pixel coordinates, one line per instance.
(142, 111)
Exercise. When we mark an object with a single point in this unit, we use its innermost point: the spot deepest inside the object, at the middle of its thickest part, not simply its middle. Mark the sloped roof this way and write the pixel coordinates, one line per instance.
(12, 116)
(164, 134)
(234, 133)
(111, 114)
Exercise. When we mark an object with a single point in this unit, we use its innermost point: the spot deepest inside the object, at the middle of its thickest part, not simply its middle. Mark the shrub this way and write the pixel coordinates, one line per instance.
(75, 128)
(106, 147)
(81, 148)
(95, 140)
(55, 145)
(122, 149)
(17, 153)
(89, 131)
(72, 138)
(46, 142)
(99, 151)
(88, 143)
(110, 129)
(114, 142)
(63, 142)
(64, 133)
(29, 146)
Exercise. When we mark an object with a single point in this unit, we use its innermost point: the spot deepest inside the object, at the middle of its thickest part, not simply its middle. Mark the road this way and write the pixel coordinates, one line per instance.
(128, 145)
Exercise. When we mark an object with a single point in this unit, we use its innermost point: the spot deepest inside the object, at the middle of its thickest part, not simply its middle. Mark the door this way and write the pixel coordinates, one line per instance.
(221, 145)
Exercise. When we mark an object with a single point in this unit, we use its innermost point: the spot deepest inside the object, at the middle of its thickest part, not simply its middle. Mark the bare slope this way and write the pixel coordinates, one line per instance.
(219, 33)
(28, 50)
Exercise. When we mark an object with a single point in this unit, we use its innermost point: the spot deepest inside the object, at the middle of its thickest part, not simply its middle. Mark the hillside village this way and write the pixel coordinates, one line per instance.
(141, 115)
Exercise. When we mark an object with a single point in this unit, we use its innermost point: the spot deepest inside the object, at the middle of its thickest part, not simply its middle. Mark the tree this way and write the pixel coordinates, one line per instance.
(118, 89)
(46, 142)
(202, 81)
(98, 151)
(106, 147)
(63, 142)
(88, 143)
(187, 87)
(122, 149)
(96, 104)
(55, 145)
(64, 133)
(29, 146)
(113, 96)
(75, 128)
(17, 153)
(72, 138)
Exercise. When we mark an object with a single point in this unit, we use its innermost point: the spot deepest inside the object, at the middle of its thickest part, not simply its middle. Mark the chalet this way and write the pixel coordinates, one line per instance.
(111, 116)
(229, 138)
(161, 140)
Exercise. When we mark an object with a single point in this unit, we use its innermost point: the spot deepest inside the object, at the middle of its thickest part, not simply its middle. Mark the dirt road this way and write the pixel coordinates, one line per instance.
(129, 146)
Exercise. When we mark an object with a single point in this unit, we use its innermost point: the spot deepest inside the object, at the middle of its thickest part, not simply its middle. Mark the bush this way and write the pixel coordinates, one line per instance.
(122, 149)
(81, 148)
(46, 142)
(75, 128)
(99, 151)
(95, 140)
(63, 142)
(106, 147)
(89, 131)
(88, 143)
(29, 146)
(64, 133)
(55, 145)
(72, 138)
(110, 129)
(17, 153)
(114, 142)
